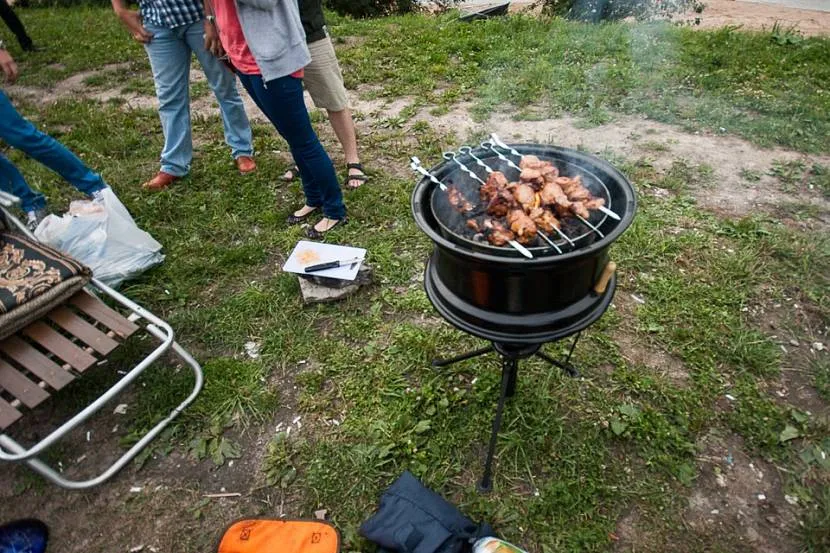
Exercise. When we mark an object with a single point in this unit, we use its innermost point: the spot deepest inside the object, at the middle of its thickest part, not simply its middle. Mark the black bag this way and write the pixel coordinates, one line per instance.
(414, 519)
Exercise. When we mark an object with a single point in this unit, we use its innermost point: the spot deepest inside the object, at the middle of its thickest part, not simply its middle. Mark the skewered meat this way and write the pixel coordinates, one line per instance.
(496, 233)
(574, 189)
(530, 162)
(495, 182)
(595, 203)
(524, 194)
(458, 201)
(544, 220)
(579, 208)
(502, 202)
(473, 225)
(530, 175)
(549, 172)
(552, 194)
(522, 226)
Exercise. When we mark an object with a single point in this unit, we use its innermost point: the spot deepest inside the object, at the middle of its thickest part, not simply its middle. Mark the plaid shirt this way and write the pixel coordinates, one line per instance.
(171, 13)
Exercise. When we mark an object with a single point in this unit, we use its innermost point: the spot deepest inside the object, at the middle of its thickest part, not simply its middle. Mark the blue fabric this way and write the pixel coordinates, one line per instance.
(170, 13)
(414, 519)
(281, 100)
(21, 134)
(170, 51)
(24, 536)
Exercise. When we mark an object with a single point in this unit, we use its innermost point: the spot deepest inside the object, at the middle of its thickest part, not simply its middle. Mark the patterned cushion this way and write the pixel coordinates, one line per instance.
(34, 279)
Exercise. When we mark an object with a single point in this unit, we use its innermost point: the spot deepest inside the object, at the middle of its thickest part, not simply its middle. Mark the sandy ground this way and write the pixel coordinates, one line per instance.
(746, 14)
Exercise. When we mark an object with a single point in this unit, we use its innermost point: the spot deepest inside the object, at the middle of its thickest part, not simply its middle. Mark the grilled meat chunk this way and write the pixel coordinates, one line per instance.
(594, 203)
(458, 201)
(544, 220)
(524, 194)
(473, 225)
(495, 182)
(522, 226)
(530, 162)
(552, 194)
(574, 189)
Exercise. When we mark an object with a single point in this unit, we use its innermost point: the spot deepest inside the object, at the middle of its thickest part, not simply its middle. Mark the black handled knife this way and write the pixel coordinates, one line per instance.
(332, 264)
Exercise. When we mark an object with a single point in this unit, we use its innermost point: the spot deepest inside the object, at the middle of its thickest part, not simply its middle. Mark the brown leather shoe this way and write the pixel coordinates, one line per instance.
(161, 181)
(246, 164)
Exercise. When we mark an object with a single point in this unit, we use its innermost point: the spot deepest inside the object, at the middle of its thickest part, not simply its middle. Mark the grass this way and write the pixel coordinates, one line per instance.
(574, 455)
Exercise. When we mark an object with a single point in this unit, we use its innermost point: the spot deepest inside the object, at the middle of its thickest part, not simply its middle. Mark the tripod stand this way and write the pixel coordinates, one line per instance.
(510, 355)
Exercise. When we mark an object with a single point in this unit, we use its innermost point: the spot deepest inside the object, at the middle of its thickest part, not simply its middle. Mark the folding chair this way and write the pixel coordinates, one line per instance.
(53, 328)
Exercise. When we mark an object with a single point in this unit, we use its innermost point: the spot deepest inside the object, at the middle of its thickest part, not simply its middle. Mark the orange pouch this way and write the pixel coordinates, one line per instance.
(280, 536)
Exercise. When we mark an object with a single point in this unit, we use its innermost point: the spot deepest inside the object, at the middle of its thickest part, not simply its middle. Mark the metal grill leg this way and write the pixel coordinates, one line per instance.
(508, 367)
(462, 357)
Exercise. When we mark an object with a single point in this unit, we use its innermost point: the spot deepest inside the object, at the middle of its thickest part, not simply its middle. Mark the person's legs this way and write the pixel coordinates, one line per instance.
(170, 61)
(20, 133)
(282, 102)
(223, 82)
(12, 181)
(324, 81)
(15, 25)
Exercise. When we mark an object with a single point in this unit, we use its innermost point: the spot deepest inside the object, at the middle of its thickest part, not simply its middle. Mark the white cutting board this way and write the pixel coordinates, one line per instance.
(313, 253)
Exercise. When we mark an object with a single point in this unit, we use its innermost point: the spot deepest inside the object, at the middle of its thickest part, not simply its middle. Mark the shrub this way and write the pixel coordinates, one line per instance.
(379, 8)
(602, 10)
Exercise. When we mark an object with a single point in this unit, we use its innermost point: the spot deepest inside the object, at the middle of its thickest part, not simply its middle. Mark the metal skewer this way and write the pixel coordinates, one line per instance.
(468, 150)
(450, 156)
(592, 227)
(415, 165)
(489, 146)
(497, 141)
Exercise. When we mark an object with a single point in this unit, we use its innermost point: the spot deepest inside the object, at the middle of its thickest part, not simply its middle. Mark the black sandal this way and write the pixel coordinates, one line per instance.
(297, 219)
(315, 234)
(363, 178)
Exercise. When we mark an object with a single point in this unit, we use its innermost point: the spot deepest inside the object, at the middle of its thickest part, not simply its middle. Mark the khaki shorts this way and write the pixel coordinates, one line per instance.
(323, 78)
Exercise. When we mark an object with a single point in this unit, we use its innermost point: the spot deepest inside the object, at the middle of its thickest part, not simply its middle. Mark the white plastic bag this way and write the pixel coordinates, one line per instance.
(104, 237)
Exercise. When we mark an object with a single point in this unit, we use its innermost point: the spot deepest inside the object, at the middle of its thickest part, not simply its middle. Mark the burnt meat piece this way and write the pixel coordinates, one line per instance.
(522, 226)
(496, 233)
(495, 182)
(458, 201)
(501, 203)
(544, 220)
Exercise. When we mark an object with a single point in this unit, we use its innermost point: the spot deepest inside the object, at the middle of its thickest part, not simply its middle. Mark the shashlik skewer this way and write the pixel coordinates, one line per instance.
(498, 142)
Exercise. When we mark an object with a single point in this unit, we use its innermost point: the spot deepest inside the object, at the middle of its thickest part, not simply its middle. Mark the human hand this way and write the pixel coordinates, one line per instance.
(132, 21)
(8, 65)
(212, 42)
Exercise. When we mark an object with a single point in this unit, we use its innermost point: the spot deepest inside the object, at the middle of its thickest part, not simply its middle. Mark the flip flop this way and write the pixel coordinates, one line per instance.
(362, 178)
(315, 234)
(297, 219)
(291, 174)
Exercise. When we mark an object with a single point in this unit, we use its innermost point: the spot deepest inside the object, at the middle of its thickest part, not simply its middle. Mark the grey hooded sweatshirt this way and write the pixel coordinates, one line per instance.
(274, 33)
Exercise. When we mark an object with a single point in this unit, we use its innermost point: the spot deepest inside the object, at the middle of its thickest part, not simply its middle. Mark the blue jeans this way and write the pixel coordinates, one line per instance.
(281, 100)
(170, 52)
(21, 134)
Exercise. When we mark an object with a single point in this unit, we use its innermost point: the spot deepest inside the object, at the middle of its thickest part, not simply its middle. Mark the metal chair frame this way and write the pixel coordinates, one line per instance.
(12, 451)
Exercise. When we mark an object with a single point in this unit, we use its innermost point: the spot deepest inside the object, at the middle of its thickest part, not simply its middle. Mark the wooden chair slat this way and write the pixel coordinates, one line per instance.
(29, 393)
(55, 342)
(84, 331)
(100, 311)
(8, 414)
(36, 363)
